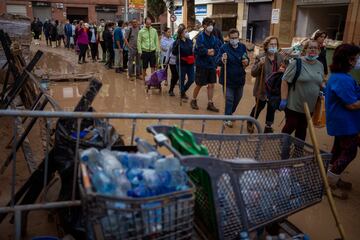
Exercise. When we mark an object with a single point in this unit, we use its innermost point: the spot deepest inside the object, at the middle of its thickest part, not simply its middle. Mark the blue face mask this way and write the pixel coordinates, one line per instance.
(272, 50)
(311, 58)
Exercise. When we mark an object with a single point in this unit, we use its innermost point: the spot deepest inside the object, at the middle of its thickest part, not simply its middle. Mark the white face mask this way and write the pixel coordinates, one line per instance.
(357, 65)
(187, 35)
(210, 28)
(234, 42)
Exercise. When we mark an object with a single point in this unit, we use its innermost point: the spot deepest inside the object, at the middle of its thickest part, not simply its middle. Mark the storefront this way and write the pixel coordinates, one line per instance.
(329, 16)
(259, 15)
(107, 12)
(41, 10)
(77, 13)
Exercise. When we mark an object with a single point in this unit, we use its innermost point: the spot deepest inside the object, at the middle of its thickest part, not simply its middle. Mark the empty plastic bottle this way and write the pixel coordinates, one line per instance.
(90, 156)
(244, 236)
(145, 147)
(102, 183)
(109, 162)
(167, 164)
(281, 236)
(123, 184)
(142, 160)
(285, 181)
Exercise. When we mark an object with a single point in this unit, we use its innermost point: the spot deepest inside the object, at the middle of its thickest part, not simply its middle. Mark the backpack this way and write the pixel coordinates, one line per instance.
(273, 85)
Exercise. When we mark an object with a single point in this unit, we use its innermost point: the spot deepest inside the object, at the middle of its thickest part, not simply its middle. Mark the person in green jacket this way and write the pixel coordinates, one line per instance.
(148, 46)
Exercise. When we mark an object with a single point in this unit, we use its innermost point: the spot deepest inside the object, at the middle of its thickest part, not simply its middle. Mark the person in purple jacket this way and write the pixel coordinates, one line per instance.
(83, 41)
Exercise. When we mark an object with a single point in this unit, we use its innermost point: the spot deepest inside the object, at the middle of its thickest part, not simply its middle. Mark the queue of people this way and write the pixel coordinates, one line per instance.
(303, 79)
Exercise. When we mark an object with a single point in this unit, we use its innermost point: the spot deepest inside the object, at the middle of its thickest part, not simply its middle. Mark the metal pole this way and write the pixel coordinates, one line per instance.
(126, 10)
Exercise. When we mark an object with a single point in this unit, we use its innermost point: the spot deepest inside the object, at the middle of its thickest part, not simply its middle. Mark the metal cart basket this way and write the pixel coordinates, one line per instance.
(278, 177)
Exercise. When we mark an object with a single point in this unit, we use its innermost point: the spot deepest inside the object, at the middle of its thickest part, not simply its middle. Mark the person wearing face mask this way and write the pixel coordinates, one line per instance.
(165, 43)
(320, 37)
(131, 36)
(83, 42)
(306, 89)
(183, 50)
(265, 64)
(100, 30)
(235, 56)
(119, 48)
(93, 41)
(109, 44)
(342, 105)
(206, 49)
(148, 46)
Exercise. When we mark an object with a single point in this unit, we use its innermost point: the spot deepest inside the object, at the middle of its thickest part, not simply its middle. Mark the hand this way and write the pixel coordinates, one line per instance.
(245, 62)
(224, 58)
(283, 104)
(211, 52)
(262, 61)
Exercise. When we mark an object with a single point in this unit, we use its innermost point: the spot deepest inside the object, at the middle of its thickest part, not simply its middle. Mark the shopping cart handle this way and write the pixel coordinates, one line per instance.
(160, 139)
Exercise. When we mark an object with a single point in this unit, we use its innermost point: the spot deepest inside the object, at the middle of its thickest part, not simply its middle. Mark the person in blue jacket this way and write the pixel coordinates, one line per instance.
(234, 55)
(206, 48)
(342, 103)
(183, 50)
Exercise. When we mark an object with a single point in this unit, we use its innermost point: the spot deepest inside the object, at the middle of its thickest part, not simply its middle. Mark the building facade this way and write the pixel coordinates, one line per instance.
(87, 10)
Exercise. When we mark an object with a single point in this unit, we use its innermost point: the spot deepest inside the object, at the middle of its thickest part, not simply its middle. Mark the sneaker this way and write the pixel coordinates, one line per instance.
(211, 107)
(193, 104)
(250, 128)
(79, 62)
(344, 185)
(268, 129)
(228, 123)
(171, 94)
(184, 97)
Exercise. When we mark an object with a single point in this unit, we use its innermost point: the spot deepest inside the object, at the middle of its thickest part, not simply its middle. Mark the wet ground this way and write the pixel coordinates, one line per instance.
(119, 94)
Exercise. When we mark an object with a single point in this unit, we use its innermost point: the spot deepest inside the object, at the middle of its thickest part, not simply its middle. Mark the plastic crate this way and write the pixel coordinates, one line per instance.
(284, 179)
(167, 216)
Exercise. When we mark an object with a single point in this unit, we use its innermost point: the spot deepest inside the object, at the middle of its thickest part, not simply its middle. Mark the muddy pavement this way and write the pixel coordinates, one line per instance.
(119, 94)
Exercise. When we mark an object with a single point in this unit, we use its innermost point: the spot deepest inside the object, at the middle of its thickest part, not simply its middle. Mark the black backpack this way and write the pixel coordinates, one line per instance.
(273, 85)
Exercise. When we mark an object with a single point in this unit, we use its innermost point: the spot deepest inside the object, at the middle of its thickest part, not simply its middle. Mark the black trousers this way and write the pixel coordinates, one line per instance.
(126, 58)
(110, 61)
(103, 48)
(174, 77)
(83, 48)
(94, 49)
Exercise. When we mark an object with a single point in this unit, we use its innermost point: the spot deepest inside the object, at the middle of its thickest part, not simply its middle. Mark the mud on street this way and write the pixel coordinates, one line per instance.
(119, 94)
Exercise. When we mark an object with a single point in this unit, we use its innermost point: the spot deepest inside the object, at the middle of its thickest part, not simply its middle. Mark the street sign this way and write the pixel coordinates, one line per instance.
(173, 18)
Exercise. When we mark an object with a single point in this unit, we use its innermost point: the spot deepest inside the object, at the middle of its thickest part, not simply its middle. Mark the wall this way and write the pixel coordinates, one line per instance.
(352, 26)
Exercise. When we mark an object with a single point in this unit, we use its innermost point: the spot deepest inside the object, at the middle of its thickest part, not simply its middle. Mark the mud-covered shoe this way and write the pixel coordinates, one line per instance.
(228, 123)
(194, 105)
(211, 107)
(250, 128)
(268, 129)
(344, 185)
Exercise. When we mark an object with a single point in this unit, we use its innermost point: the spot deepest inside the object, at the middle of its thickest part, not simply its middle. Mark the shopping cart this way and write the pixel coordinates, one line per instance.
(279, 177)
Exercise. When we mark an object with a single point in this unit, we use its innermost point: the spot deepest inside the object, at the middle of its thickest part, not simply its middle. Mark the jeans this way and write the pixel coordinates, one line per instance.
(67, 41)
(188, 70)
(134, 57)
(270, 112)
(233, 97)
(174, 77)
(118, 60)
(295, 121)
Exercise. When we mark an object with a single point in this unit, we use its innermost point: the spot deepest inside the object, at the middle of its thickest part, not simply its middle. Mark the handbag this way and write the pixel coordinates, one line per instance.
(319, 116)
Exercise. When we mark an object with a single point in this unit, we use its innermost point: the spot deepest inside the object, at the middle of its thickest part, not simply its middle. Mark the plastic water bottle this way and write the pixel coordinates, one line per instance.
(142, 160)
(123, 184)
(152, 180)
(152, 221)
(109, 162)
(167, 164)
(144, 147)
(90, 156)
(102, 182)
(134, 176)
(139, 191)
(244, 236)
(285, 181)
(281, 236)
